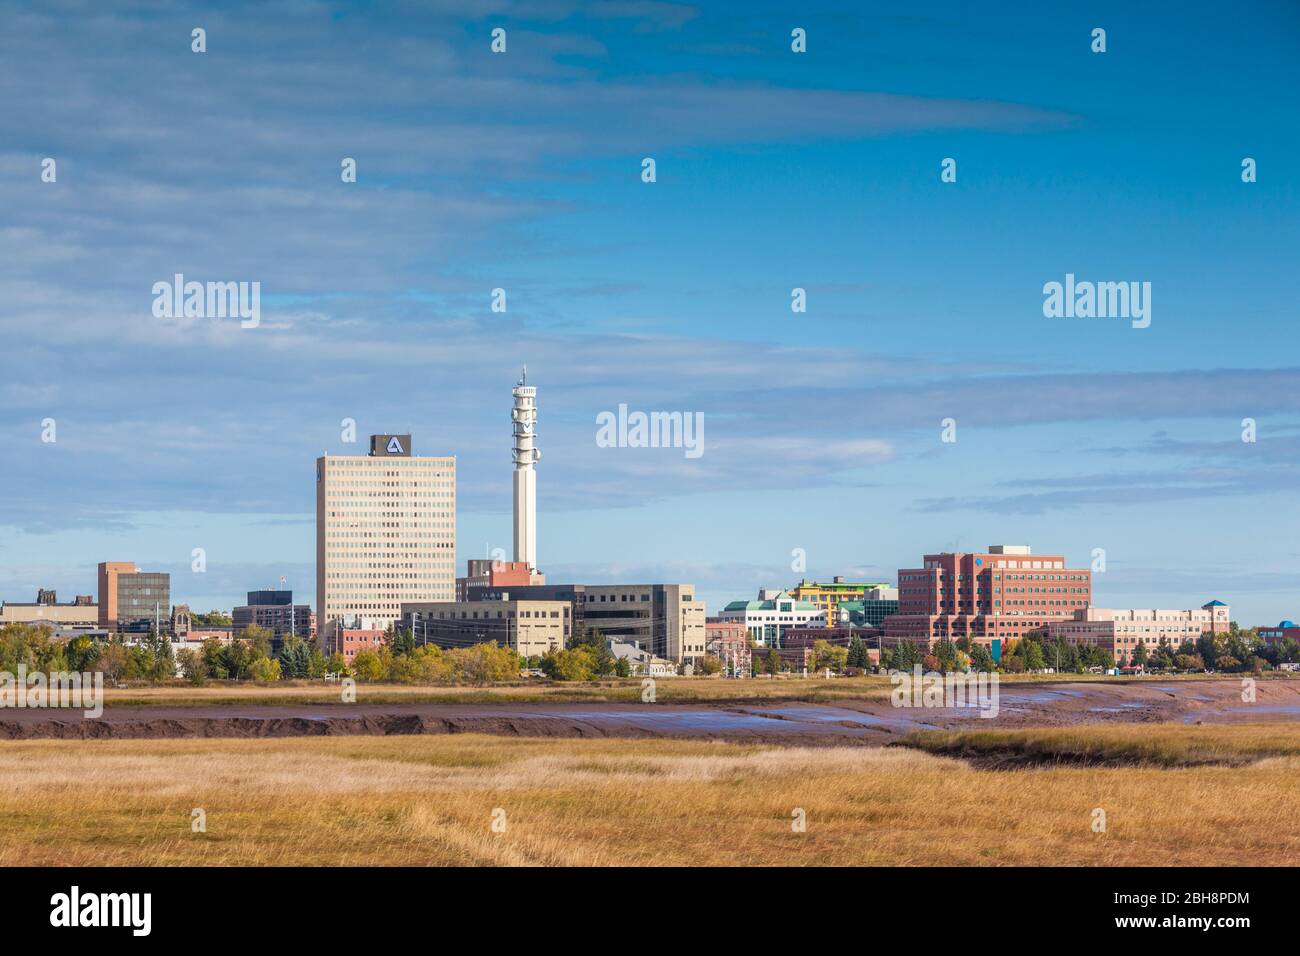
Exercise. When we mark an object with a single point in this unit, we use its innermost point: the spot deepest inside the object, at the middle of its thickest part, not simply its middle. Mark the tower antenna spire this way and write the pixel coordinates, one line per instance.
(526, 455)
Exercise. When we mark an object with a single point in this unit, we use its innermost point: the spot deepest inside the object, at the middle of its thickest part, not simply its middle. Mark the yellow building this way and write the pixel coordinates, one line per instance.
(829, 597)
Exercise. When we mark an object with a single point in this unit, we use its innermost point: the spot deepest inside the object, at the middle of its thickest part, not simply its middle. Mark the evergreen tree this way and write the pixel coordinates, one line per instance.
(906, 656)
(1140, 656)
(858, 653)
(403, 642)
(945, 652)
(1208, 648)
(1032, 652)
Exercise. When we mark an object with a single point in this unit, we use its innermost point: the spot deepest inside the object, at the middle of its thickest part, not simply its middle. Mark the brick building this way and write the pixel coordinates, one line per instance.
(992, 597)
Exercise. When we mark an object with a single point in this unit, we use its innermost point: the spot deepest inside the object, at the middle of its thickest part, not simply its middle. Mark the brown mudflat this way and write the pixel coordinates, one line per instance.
(863, 722)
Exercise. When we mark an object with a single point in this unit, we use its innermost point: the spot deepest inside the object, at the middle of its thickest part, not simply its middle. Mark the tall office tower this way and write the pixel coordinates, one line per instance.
(385, 533)
(524, 416)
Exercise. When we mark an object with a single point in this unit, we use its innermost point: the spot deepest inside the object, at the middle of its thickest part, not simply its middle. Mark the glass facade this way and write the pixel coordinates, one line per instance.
(141, 598)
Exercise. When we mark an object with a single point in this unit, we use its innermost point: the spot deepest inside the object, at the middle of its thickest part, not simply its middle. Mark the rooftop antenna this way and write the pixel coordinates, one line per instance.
(523, 376)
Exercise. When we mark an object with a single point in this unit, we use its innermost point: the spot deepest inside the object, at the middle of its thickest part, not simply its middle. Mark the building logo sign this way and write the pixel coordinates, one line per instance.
(390, 446)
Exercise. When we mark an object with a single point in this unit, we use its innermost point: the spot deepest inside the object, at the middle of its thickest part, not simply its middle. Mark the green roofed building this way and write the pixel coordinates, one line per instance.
(830, 596)
(775, 612)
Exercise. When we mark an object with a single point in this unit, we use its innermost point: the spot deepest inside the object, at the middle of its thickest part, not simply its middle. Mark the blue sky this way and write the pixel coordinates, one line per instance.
(774, 170)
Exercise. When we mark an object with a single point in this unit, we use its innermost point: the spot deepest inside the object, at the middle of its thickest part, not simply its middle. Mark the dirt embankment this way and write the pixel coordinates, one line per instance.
(867, 722)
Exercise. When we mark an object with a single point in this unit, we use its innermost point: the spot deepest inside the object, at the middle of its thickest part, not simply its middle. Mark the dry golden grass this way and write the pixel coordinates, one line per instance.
(1164, 745)
(430, 800)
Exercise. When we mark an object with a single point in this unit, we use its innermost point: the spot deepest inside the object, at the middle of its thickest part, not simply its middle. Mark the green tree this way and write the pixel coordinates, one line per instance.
(483, 663)
(584, 635)
(827, 655)
(264, 669)
(113, 660)
(772, 663)
(858, 656)
(709, 665)
(403, 642)
(82, 653)
(603, 658)
(192, 666)
(164, 660)
(622, 668)
(1140, 654)
(945, 653)
(211, 619)
(905, 656)
(981, 658)
(1208, 649)
(1164, 655)
(367, 666)
(235, 658)
(258, 640)
(294, 657)
(1031, 652)
(571, 664)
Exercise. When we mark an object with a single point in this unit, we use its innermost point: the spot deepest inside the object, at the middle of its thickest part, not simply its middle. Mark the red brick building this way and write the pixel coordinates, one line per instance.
(495, 574)
(728, 640)
(840, 636)
(350, 641)
(994, 597)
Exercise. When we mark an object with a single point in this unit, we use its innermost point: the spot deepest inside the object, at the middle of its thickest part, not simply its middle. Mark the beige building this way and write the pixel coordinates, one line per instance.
(385, 533)
(532, 628)
(87, 614)
(664, 619)
(1121, 631)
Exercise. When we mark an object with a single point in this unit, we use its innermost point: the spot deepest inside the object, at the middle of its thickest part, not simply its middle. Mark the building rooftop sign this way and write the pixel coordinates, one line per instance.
(390, 446)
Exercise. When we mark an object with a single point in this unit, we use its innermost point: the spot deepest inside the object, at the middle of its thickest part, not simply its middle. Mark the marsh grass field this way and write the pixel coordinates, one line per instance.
(667, 689)
(1176, 794)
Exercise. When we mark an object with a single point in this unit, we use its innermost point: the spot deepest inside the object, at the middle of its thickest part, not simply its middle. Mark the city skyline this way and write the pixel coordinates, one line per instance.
(775, 171)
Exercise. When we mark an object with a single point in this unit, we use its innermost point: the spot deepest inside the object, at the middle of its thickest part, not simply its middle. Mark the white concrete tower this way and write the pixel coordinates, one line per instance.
(524, 416)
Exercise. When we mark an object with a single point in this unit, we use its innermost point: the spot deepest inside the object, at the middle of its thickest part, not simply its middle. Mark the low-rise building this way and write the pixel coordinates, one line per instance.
(774, 613)
(481, 573)
(829, 597)
(794, 659)
(275, 611)
(208, 633)
(641, 663)
(872, 609)
(46, 609)
(531, 628)
(1285, 631)
(1120, 631)
(729, 641)
(664, 619)
(839, 636)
